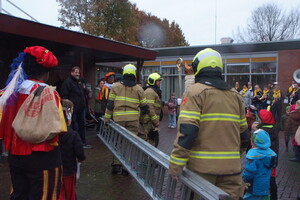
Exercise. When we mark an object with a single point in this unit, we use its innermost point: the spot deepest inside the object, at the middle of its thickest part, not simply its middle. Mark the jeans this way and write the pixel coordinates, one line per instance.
(172, 120)
(78, 124)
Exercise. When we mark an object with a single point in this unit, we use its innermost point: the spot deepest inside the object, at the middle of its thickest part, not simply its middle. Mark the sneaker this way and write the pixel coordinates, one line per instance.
(169, 126)
(87, 146)
(173, 127)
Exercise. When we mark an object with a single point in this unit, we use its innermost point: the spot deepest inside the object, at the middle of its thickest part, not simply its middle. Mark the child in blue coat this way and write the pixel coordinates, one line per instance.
(259, 163)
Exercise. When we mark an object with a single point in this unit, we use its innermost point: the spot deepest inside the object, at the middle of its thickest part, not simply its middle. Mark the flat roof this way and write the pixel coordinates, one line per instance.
(20, 32)
(231, 48)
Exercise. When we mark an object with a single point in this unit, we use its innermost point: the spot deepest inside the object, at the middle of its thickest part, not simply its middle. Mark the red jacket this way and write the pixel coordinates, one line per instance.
(13, 143)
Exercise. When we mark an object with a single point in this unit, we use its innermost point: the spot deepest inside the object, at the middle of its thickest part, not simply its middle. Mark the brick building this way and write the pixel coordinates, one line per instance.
(259, 63)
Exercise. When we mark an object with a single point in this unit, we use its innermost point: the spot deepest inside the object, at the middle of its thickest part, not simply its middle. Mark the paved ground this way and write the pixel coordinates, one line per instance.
(97, 182)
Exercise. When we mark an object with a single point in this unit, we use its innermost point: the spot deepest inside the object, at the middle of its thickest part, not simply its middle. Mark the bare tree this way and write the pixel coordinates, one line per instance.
(270, 23)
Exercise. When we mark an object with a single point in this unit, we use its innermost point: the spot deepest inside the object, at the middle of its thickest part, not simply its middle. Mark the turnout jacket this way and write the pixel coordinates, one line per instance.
(125, 103)
(154, 103)
(212, 132)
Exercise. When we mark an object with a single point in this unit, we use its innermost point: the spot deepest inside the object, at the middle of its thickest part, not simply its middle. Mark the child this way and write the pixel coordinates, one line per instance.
(172, 105)
(259, 164)
(71, 149)
(267, 123)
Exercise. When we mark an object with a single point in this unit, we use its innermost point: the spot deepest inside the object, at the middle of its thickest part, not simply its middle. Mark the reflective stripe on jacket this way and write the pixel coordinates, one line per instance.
(126, 102)
(218, 116)
(154, 103)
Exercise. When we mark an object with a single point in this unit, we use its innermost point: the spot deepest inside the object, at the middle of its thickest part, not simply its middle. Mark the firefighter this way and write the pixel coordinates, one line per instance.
(212, 128)
(151, 120)
(125, 103)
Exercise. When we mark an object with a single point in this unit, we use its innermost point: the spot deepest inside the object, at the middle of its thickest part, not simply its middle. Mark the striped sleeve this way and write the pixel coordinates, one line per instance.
(189, 119)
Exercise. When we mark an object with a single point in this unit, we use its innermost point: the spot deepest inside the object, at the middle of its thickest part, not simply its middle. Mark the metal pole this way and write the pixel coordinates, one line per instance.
(216, 23)
(179, 64)
(32, 18)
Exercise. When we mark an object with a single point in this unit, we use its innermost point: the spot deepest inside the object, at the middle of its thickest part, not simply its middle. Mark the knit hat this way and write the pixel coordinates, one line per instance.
(42, 59)
(266, 116)
(292, 108)
(261, 139)
(297, 105)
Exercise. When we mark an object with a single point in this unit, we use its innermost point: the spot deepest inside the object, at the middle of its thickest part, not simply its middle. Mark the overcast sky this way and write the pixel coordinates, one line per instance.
(199, 19)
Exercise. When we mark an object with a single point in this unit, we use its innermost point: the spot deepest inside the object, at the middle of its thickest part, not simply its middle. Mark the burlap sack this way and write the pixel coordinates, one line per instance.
(39, 119)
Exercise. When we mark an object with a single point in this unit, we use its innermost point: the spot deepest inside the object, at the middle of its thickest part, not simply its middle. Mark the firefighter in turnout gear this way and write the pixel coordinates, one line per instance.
(151, 120)
(212, 128)
(126, 100)
(125, 103)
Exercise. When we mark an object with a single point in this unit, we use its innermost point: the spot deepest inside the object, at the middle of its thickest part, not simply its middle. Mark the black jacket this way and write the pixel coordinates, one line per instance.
(73, 90)
(274, 135)
(71, 149)
(296, 97)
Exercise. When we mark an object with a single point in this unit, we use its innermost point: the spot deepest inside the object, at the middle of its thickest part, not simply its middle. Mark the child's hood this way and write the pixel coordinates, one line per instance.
(264, 155)
(261, 139)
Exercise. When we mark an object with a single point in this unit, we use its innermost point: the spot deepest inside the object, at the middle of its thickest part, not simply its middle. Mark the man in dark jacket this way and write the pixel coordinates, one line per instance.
(72, 89)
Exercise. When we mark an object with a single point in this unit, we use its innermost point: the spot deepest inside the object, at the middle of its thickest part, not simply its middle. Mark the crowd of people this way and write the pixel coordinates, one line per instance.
(271, 98)
(216, 124)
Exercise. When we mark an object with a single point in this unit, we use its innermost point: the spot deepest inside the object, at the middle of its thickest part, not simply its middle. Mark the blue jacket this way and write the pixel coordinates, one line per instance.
(258, 169)
(259, 164)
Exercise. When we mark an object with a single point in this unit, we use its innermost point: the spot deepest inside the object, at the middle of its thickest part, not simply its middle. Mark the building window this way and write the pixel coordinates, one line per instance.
(266, 67)
(238, 68)
(256, 72)
(242, 79)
